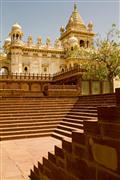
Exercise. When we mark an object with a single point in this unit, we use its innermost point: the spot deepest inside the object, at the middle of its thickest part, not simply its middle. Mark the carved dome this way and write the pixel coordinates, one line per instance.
(16, 26)
(90, 26)
(8, 40)
(16, 31)
(90, 23)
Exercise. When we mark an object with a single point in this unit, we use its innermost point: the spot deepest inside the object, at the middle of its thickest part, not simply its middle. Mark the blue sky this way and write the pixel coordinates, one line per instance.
(44, 18)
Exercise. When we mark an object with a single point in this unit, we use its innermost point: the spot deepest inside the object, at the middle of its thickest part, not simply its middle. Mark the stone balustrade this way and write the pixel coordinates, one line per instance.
(27, 76)
(68, 73)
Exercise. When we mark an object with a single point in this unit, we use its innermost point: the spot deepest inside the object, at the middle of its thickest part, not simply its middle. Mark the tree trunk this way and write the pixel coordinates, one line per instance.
(111, 85)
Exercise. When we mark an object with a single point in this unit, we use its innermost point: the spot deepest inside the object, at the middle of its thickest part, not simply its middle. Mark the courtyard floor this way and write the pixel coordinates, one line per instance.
(17, 157)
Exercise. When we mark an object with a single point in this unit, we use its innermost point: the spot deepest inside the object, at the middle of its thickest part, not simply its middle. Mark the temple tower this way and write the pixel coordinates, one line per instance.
(77, 28)
(16, 35)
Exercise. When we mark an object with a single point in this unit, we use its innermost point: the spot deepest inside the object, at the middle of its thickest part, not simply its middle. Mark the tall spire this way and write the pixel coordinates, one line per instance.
(75, 7)
(75, 20)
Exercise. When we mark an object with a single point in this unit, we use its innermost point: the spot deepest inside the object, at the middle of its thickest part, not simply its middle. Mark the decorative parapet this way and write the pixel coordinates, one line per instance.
(68, 73)
(20, 76)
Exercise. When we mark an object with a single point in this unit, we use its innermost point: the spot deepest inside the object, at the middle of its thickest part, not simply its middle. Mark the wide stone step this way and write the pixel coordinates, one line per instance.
(19, 128)
(9, 115)
(35, 110)
(35, 105)
(32, 120)
(63, 132)
(27, 131)
(60, 136)
(68, 128)
(96, 104)
(77, 114)
(79, 121)
(92, 110)
(31, 103)
(27, 101)
(32, 99)
(97, 98)
(32, 117)
(74, 125)
(36, 102)
(28, 124)
(21, 136)
(74, 116)
(84, 107)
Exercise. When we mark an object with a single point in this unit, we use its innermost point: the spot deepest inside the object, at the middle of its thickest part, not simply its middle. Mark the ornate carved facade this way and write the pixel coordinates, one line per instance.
(39, 58)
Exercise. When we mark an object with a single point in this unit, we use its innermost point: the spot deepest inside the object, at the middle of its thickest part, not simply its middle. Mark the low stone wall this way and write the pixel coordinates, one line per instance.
(94, 87)
(19, 93)
(62, 90)
(21, 85)
(37, 83)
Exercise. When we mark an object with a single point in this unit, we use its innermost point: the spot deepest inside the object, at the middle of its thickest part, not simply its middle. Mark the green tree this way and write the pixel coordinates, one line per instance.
(107, 56)
(102, 61)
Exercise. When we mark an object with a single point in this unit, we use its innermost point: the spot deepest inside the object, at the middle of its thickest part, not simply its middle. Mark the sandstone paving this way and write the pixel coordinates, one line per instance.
(17, 157)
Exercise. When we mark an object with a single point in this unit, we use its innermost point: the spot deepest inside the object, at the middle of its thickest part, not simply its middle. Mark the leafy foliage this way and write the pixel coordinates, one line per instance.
(77, 53)
(107, 54)
(103, 60)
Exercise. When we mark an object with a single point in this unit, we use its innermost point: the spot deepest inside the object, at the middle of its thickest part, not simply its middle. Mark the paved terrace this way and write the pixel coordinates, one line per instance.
(17, 157)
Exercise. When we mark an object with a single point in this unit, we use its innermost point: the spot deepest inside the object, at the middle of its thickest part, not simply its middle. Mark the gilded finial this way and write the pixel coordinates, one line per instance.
(75, 6)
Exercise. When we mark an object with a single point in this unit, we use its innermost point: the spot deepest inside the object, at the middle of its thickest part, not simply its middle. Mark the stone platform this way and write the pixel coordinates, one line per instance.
(17, 157)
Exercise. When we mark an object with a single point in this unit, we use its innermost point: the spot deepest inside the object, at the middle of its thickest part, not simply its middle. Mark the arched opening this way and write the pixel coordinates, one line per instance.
(25, 69)
(17, 36)
(4, 71)
(45, 69)
(71, 48)
(82, 43)
(13, 36)
(87, 43)
(62, 70)
(70, 66)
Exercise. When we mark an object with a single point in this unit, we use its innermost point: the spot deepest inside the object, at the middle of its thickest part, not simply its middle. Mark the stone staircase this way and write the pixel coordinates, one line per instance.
(28, 117)
(90, 155)
(31, 117)
(85, 109)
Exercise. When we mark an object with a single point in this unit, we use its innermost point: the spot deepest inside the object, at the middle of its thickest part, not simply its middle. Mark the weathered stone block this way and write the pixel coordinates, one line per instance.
(59, 152)
(105, 155)
(104, 175)
(78, 137)
(36, 170)
(91, 127)
(58, 174)
(46, 163)
(109, 113)
(47, 172)
(61, 163)
(52, 157)
(40, 167)
(80, 169)
(118, 153)
(111, 130)
(117, 92)
(67, 146)
(79, 151)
